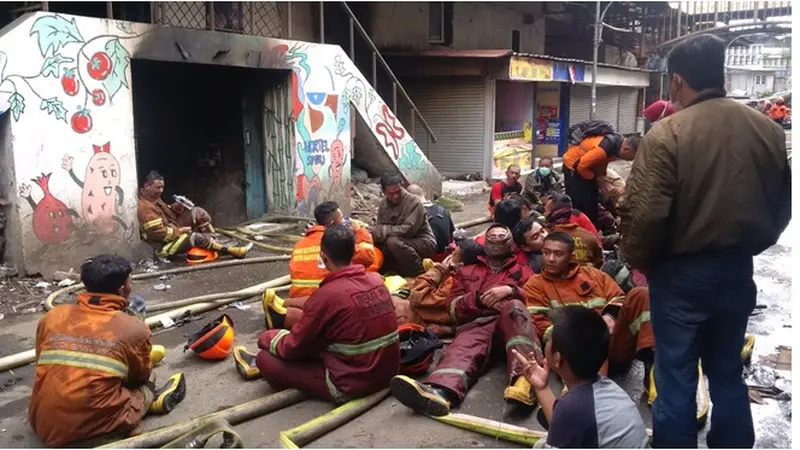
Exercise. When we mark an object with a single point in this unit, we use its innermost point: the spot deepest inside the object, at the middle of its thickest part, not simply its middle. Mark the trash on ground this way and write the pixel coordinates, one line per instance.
(761, 377)
(163, 277)
(66, 282)
(60, 275)
(8, 272)
(2, 316)
(755, 396)
(42, 285)
(161, 287)
(167, 322)
(240, 306)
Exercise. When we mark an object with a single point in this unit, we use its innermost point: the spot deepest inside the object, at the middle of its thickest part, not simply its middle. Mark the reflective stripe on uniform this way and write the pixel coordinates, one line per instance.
(596, 302)
(547, 333)
(618, 299)
(172, 248)
(365, 245)
(306, 283)
(523, 340)
(366, 347)
(538, 309)
(273, 345)
(155, 223)
(336, 394)
(453, 305)
(83, 360)
(462, 374)
(637, 324)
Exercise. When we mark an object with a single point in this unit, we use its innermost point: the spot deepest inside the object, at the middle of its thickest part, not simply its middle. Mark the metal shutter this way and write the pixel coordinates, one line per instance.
(608, 105)
(628, 110)
(580, 103)
(455, 109)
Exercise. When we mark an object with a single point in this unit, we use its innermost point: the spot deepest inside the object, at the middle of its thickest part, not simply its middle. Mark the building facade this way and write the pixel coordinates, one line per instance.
(760, 69)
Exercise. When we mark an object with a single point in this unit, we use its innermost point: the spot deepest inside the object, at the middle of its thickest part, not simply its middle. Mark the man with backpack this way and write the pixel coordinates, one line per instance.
(440, 221)
(593, 144)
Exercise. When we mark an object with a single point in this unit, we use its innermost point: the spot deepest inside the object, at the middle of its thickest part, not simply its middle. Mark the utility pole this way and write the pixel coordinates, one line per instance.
(598, 38)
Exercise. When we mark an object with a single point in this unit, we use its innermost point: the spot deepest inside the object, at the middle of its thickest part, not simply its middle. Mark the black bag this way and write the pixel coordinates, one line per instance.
(589, 128)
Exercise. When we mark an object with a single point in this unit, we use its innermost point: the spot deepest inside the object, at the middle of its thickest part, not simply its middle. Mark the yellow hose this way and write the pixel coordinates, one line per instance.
(309, 431)
(49, 302)
(272, 248)
(234, 415)
(492, 428)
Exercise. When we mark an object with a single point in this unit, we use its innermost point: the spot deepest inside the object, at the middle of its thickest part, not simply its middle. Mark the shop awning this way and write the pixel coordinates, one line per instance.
(451, 53)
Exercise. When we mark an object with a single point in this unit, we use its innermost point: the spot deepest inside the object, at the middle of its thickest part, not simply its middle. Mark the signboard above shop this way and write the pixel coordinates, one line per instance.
(523, 68)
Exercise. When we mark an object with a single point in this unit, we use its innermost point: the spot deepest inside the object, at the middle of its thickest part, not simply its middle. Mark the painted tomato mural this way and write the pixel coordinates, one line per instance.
(81, 121)
(70, 83)
(99, 67)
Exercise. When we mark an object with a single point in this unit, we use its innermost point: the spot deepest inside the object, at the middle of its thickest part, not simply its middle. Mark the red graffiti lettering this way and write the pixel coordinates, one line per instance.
(391, 131)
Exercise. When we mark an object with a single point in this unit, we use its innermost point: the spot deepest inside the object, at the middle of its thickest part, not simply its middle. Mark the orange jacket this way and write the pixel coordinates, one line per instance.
(157, 220)
(583, 285)
(588, 247)
(778, 112)
(90, 357)
(304, 264)
(429, 293)
(591, 159)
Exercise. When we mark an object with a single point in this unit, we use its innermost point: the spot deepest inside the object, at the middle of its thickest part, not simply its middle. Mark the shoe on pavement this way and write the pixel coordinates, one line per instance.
(420, 397)
(274, 310)
(169, 395)
(246, 363)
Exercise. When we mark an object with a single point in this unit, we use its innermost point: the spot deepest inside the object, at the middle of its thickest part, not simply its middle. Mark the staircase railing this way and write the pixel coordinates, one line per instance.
(355, 26)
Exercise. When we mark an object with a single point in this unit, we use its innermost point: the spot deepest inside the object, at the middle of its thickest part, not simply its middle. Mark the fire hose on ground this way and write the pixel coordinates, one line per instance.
(195, 304)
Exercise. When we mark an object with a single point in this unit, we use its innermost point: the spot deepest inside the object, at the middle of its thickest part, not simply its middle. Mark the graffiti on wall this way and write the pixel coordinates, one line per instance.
(73, 78)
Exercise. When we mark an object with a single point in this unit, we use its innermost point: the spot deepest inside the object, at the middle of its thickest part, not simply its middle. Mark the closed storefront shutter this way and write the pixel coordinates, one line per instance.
(628, 110)
(455, 109)
(608, 105)
(580, 103)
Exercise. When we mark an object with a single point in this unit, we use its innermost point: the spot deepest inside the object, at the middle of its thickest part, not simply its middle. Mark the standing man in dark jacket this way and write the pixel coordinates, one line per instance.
(709, 189)
(487, 303)
(345, 345)
(402, 233)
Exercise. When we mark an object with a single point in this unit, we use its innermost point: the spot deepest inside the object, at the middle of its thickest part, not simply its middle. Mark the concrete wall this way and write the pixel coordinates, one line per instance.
(479, 25)
(609, 76)
(65, 80)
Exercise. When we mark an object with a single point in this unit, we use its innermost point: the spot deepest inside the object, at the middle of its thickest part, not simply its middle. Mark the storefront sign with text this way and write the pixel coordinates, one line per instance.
(530, 69)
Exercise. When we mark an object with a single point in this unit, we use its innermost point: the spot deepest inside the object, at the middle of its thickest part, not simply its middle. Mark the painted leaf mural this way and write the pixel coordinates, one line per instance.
(55, 107)
(16, 105)
(52, 65)
(120, 59)
(54, 32)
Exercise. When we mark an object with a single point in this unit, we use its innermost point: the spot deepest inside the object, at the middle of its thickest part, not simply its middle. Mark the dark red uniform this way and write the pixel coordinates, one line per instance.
(345, 345)
(468, 356)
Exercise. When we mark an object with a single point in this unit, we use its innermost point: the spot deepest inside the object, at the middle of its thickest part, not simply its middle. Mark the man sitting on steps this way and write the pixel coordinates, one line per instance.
(345, 345)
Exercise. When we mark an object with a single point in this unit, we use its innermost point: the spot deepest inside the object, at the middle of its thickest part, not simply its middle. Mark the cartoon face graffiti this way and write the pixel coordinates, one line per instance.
(337, 161)
(100, 186)
(52, 222)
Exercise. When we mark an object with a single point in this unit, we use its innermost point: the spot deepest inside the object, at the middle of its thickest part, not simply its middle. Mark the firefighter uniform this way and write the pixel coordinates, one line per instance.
(344, 346)
(583, 163)
(160, 224)
(306, 273)
(594, 289)
(92, 363)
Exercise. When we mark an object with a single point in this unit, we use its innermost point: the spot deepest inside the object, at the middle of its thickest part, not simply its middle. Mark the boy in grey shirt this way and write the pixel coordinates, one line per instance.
(595, 412)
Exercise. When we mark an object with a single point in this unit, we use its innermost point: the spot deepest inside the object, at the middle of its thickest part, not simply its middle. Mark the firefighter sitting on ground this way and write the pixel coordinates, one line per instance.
(94, 364)
(174, 229)
(346, 343)
(305, 268)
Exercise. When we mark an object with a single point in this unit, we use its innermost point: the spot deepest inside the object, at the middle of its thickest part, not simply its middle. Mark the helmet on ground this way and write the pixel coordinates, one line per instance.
(417, 348)
(197, 255)
(214, 341)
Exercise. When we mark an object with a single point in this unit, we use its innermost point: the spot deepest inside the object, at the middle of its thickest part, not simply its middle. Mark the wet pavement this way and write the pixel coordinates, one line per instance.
(213, 386)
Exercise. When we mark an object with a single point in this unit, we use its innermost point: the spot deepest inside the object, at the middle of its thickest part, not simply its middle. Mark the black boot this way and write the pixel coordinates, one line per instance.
(169, 395)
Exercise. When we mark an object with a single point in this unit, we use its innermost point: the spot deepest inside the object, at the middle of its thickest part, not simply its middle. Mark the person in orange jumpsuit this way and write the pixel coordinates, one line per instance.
(307, 271)
(94, 370)
(584, 162)
(430, 291)
(564, 282)
(779, 111)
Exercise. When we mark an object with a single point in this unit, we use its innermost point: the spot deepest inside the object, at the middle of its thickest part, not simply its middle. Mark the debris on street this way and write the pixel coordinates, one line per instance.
(161, 287)
(66, 282)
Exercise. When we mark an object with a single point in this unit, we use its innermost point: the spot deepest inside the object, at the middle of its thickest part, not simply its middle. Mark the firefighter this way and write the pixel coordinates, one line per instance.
(346, 343)
(402, 232)
(174, 229)
(305, 269)
(595, 145)
(93, 363)
(564, 282)
(440, 221)
(779, 111)
(487, 302)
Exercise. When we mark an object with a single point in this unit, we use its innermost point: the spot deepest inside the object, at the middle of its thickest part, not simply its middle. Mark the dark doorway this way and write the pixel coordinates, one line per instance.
(202, 127)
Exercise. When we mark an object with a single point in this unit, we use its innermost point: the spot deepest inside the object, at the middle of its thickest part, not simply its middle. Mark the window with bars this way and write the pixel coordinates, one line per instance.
(253, 18)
